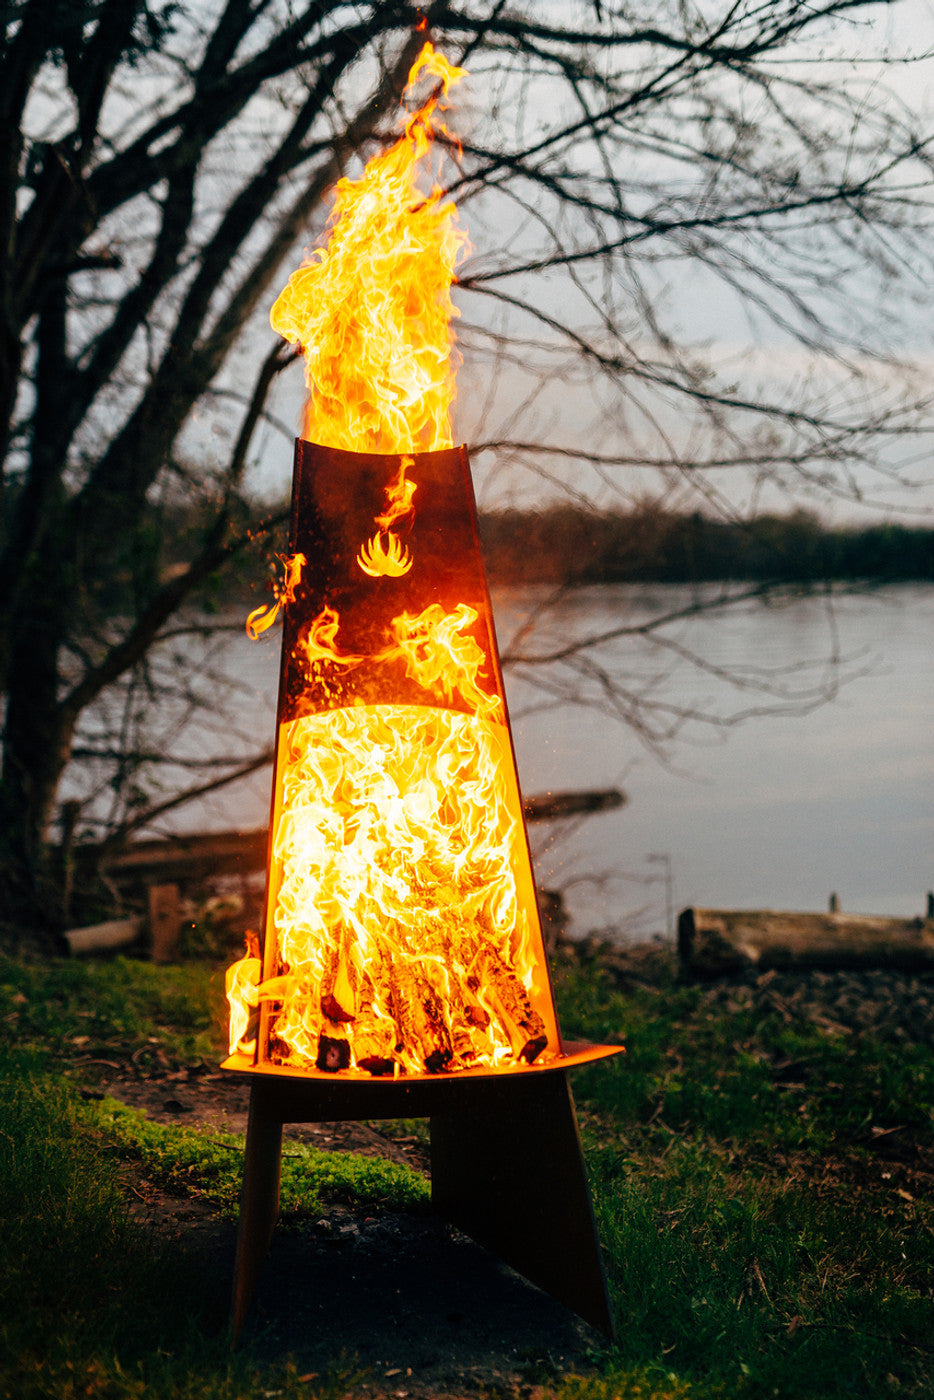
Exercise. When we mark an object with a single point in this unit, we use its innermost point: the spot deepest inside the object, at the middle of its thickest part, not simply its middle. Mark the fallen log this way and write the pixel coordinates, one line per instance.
(719, 942)
(100, 938)
(189, 857)
(200, 854)
(547, 806)
(176, 859)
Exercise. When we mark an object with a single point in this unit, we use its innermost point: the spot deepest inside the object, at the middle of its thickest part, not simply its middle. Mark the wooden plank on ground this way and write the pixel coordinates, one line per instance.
(164, 922)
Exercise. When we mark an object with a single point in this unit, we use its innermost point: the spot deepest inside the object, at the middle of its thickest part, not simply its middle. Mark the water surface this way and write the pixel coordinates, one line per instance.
(814, 774)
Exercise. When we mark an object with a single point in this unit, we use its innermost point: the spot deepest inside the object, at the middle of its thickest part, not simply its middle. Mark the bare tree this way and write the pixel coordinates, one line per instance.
(163, 163)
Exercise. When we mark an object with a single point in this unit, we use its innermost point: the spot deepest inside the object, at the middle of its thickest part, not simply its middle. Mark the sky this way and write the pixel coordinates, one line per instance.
(567, 408)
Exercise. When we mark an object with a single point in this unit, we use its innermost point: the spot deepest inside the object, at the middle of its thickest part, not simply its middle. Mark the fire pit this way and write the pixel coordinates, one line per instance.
(403, 970)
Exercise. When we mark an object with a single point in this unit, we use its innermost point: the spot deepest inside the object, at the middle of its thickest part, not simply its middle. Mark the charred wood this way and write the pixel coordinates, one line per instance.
(520, 1020)
(333, 1055)
(338, 998)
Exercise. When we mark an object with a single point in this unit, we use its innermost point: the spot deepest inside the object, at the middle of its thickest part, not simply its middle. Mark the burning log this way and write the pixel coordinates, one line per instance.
(525, 1026)
(418, 1014)
(338, 999)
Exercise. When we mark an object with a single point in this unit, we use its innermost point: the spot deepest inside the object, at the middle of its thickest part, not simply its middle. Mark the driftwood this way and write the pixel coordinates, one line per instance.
(717, 942)
(549, 805)
(99, 938)
(192, 857)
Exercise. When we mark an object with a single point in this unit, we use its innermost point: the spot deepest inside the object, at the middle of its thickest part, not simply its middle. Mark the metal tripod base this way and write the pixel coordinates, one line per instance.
(506, 1169)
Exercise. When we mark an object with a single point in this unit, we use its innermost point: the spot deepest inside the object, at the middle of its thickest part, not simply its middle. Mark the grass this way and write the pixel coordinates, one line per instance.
(762, 1189)
(763, 1196)
(210, 1163)
(100, 1010)
(91, 1305)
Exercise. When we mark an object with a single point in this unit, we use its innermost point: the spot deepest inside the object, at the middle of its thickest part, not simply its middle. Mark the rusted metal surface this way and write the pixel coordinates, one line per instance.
(336, 498)
(507, 1169)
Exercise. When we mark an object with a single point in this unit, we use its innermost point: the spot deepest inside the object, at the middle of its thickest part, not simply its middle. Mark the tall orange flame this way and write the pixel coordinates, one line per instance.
(401, 910)
(373, 309)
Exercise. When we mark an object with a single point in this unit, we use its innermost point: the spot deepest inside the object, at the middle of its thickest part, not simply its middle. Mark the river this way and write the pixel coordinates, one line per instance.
(826, 785)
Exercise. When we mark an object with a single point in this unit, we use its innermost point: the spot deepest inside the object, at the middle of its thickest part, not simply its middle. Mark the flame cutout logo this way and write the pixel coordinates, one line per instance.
(430, 644)
(384, 555)
(399, 495)
(320, 641)
(262, 618)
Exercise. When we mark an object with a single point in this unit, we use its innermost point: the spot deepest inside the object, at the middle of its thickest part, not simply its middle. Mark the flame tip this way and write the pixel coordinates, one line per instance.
(372, 308)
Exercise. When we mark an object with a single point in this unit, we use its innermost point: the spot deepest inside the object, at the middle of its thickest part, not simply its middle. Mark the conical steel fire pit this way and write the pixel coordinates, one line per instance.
(403, 970)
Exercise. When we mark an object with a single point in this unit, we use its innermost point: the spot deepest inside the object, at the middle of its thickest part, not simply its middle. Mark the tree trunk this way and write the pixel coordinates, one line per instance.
(717, 942)
(36, 747)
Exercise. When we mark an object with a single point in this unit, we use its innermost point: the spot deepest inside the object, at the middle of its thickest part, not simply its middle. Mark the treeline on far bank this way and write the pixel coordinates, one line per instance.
(567, 543)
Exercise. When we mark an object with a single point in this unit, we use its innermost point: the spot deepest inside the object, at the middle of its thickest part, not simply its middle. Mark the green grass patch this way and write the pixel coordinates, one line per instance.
(210, 1164)
(762, 1189)
(757, 1243)
(742, 1077)
(101, 1009)
(91, 1304)
(758, 1284)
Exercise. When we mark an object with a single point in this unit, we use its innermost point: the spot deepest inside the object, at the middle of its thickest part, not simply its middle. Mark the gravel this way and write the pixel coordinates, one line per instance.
(888, 1003)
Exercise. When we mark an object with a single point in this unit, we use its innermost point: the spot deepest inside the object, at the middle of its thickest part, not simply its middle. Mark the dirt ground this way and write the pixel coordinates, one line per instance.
(403, 1304)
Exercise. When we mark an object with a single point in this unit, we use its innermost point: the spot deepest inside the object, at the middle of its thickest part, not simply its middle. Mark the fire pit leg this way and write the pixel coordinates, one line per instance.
(507, 1169)
(259, 1202)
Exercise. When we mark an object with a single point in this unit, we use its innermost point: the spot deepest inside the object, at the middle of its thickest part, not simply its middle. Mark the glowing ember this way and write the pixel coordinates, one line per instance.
(402, 933)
